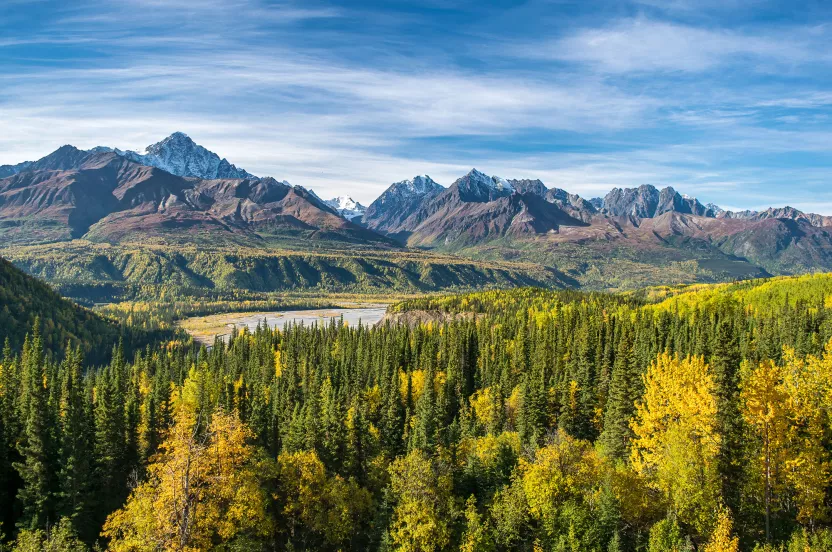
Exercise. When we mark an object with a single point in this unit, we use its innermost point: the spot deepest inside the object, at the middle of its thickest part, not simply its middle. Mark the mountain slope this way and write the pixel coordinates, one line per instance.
(392, 208)
(25, 299)
(488, 217)
(478, 207)
(105, 272)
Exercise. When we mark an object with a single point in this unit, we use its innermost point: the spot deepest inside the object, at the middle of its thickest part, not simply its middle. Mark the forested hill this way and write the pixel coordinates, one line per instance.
(25, 300)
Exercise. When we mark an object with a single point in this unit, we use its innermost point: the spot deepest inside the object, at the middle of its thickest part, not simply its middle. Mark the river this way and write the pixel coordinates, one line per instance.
(206, 328)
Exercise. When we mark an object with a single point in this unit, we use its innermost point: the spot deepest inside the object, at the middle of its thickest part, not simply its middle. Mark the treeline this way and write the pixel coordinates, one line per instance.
(552, 421)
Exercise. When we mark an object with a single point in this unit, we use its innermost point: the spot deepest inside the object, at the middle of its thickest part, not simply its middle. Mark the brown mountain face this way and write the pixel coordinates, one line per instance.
(388, 213)
(478, 208)
(104, 196)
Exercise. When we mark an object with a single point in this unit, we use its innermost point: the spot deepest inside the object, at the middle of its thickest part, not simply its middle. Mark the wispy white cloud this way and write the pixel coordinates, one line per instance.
(642, 45)
(300, 92)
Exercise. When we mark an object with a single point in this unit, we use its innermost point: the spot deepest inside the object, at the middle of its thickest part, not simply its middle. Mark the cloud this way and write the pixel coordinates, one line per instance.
(644, 45)
(350, 97)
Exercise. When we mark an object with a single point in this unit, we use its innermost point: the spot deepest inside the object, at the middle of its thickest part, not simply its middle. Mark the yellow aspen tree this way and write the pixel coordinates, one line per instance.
(204, 487)
(807, 467)
(676, 439)
(476, 537)
(566, 471)
(763, 407)
(424, 504)
(316, 503)
(721, 539)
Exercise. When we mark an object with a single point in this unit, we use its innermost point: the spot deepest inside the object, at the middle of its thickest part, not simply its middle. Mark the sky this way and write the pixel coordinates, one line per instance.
(725, 100)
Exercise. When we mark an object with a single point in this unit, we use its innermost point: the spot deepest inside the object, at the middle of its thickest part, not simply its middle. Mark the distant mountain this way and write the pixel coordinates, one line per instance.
(573, 204)
(9, 170)
(389, 211)
(105, 196)
(479, 207)
(526, 186)
(347, 207)
(521, 219)
(647, 201)
(178, 190)
(179, 155)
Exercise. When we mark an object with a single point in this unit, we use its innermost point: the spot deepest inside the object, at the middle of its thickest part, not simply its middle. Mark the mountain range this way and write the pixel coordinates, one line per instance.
(179, 191)
(113, 196)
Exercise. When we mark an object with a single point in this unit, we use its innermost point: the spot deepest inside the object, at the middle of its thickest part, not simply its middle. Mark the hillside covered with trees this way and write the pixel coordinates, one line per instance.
(661, 420)
(26, 302)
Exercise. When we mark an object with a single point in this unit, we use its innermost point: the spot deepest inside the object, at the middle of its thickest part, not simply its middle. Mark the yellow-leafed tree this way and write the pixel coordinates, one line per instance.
(676, 439)
(424, 504)
(203, 489)
(721, 539)
(764, 404)
(806, 382)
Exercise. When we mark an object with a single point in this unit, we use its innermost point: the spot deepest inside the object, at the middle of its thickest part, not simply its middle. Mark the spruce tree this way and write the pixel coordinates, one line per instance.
(725, 364)
(34, 468)
(76, 450)
(617, 433)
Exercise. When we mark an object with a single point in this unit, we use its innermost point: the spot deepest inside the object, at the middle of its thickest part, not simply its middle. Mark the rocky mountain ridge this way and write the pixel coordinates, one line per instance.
(178, 188)
(104, 196)
(179, 155)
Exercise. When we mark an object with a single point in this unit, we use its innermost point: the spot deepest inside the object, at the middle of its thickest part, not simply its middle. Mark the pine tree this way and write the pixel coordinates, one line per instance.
(424, 434)
(110, 453)
(76, 449)
(617, 434)
(35, 468)
(392, 420)
(725, 365)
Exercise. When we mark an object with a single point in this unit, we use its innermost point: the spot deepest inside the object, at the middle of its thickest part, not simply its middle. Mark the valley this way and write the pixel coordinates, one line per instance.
(521, 323)
(103, 227)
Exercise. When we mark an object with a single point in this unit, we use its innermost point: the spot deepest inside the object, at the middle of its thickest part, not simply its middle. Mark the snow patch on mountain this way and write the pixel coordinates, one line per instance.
(502, 184)
(179, 155)
(346, 206)
(405, 189)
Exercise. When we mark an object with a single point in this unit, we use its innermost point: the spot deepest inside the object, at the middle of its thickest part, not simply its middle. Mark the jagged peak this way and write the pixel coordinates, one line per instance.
(477, 174)
(418, 185)
(178, 154)
(177, 138)
(495, 182)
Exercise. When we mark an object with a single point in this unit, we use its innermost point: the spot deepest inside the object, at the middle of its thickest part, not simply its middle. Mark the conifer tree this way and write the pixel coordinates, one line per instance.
(110, 447)
(35, 468)
(725, 366)
(617, 434)
(75, 446)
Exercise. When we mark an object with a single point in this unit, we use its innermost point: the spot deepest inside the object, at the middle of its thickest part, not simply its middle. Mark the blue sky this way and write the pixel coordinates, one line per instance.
(727, 100)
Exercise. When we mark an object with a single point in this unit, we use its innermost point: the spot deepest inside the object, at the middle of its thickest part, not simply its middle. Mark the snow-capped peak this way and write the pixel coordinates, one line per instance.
(418, 185)
(346, 206)
(495, 182)
(179, 155)
(502, 184)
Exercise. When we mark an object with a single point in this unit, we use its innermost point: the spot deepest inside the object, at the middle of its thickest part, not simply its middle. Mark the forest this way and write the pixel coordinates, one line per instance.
(663, 420)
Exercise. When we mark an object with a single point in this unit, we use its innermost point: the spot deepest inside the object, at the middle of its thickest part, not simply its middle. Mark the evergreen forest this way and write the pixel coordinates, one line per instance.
(667, 419)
